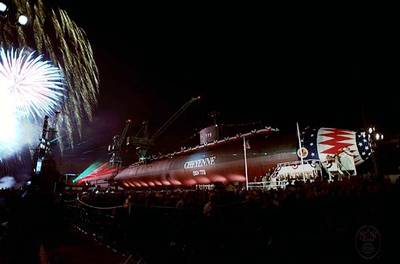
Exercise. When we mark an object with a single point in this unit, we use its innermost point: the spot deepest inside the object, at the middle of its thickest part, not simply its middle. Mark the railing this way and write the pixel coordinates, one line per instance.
(268, 185)
(316, 164)
(298, 162)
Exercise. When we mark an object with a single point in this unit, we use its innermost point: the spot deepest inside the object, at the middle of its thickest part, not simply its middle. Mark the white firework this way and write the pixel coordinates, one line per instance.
(30, 88)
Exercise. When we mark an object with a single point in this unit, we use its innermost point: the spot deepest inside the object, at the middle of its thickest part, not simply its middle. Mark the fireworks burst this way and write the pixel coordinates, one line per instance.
(52, 34)
(30, 88)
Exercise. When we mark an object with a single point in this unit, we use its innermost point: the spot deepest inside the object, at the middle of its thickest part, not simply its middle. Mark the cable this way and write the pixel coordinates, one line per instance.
(99, 208)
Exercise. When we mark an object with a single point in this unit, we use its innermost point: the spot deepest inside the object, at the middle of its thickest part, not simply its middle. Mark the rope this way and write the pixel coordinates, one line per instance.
(100, 208)
(69, 201)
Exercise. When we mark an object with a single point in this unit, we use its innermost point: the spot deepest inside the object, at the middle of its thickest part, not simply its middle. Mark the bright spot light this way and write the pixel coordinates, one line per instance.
(370, 130)
(3, 7)
(377, 136)
(382, 137)
(22, 20)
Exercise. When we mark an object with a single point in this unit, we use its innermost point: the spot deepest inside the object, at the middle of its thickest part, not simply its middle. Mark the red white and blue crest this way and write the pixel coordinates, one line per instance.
(323, 143)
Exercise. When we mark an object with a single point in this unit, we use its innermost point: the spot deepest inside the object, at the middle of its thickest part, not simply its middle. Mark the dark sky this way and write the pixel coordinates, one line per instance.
(247, 63)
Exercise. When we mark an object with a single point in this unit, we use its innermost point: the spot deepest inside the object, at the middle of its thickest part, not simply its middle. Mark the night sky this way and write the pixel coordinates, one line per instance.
(246, 64)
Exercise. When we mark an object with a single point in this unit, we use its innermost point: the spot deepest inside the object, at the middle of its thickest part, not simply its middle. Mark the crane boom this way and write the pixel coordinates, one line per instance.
(144, 143)
(173, 118)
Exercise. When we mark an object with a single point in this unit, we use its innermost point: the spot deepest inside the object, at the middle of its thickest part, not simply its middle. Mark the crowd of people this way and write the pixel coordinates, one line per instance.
(307, 221)
(314, 222)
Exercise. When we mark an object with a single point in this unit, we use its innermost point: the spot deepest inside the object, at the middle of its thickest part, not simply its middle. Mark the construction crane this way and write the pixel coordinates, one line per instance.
(115, 148)
(144, 143)
(47, 139)
(141, 142)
